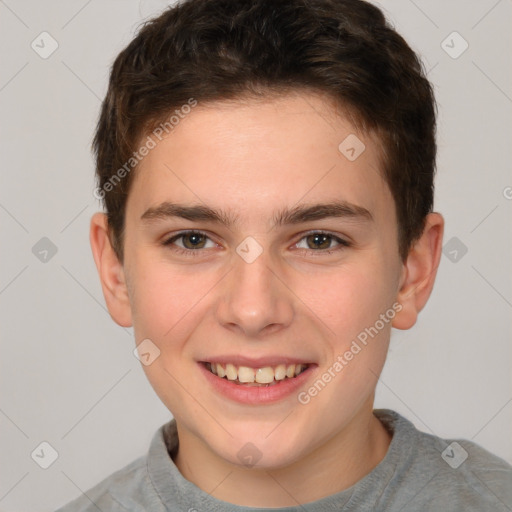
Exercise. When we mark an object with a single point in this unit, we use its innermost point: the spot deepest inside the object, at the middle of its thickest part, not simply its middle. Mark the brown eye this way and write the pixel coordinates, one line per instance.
(190, 240)
(194, 241)
(319, 241)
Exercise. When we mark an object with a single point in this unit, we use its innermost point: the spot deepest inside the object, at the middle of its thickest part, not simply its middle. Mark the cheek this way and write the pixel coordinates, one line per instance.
(165, 299)
(350, 303)
(357, 341)
(347, 300)
(167, 307)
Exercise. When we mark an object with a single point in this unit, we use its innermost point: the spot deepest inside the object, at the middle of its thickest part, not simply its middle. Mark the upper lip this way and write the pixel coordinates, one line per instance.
(256, 362)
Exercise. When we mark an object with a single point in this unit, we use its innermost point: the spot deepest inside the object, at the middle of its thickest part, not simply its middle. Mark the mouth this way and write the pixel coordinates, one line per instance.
(266, 376)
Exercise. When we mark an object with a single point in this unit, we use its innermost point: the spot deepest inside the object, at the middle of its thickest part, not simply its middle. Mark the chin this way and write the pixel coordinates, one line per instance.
(261, 450)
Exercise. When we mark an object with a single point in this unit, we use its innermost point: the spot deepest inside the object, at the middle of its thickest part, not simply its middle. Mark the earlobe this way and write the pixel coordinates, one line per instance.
(419, 272)
(111, 271)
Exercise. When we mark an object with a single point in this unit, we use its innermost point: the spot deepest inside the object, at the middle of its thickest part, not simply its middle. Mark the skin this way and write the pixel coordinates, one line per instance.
(252, 159)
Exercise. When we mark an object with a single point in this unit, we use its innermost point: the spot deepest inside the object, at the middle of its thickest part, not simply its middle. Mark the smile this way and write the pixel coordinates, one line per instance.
(266, 376)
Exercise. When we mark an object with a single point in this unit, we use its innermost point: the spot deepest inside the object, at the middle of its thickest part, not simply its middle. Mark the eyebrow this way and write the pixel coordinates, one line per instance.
(287, 216)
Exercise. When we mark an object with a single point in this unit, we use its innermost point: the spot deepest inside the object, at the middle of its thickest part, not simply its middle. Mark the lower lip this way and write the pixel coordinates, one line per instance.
(256, 395)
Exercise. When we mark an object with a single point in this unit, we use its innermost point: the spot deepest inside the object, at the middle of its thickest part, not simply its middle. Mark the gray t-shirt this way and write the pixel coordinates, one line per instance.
(420, 472)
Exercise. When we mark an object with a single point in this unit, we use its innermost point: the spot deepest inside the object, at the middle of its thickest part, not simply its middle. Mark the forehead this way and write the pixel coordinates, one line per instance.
(255, 157)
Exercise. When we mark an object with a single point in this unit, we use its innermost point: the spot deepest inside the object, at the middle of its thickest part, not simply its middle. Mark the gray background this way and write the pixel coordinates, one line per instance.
(68, 374)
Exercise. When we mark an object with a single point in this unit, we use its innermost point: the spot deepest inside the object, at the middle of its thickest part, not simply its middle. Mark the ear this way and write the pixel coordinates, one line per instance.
(419, 272)
(111, 272)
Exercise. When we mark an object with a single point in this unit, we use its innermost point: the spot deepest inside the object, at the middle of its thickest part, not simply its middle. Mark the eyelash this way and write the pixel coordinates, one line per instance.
(343, 244)
(180, 250)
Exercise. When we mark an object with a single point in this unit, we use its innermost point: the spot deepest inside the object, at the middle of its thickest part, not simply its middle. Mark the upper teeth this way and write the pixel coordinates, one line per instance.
(263, 375)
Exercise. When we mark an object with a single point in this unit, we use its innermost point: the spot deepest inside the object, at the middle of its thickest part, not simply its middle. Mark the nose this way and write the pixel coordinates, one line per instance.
(254, 299)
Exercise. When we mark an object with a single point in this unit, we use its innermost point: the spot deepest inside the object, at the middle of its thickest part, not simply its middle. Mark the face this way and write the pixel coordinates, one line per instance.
(256, 248)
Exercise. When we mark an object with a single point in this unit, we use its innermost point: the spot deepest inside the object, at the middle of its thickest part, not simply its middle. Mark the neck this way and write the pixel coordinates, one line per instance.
(330, 468)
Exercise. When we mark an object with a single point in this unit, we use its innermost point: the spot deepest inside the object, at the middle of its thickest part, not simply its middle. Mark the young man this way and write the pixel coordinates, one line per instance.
(267, 172)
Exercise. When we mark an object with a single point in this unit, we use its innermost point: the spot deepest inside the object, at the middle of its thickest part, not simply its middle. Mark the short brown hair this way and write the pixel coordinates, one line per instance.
(214, 50)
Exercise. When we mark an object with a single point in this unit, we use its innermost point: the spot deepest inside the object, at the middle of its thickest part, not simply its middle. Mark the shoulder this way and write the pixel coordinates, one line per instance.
(467, 473)
(128, 489)
(447, 474)
(132, 476)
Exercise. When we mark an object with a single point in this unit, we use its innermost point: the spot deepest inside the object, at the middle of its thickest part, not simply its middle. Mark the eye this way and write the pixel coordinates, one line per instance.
(191, 240)
(320, 241)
